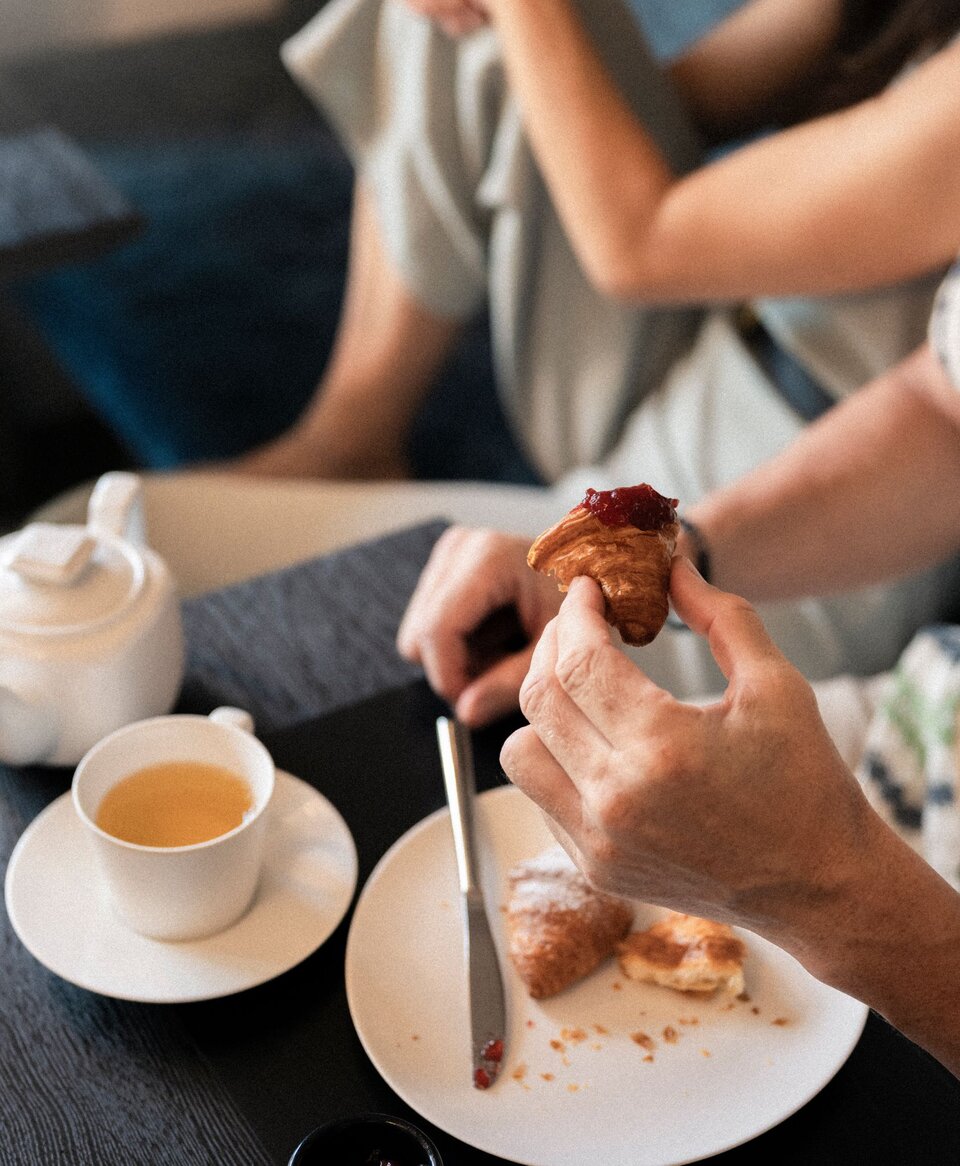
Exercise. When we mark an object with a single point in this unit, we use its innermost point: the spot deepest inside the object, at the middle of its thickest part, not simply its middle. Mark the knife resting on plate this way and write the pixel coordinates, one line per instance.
(487, 1008)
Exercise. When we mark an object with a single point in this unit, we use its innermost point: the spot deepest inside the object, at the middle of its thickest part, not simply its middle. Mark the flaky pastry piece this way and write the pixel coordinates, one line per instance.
(687, 953)
(625, 540)
(559, 928)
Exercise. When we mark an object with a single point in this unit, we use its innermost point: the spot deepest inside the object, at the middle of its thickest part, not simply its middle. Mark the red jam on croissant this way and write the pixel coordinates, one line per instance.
(625, 540)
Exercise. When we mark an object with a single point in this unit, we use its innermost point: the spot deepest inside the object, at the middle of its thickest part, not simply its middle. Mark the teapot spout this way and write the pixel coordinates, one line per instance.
(28, 728)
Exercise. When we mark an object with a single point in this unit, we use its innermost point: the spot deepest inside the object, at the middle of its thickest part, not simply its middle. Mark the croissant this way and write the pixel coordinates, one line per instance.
(624, 539)
(686, 953)
(559, 927)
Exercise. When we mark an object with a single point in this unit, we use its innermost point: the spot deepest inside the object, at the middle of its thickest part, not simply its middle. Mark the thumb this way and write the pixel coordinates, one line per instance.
(738, 640)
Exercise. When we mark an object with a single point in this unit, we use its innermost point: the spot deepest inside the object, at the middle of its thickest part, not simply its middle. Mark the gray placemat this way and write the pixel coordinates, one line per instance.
(321, 633)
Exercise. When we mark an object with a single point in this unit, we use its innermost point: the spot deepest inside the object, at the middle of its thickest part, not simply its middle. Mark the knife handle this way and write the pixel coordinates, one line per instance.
(456, 757)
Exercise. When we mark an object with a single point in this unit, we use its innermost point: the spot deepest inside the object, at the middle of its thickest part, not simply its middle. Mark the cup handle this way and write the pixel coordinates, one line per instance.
(239, 718)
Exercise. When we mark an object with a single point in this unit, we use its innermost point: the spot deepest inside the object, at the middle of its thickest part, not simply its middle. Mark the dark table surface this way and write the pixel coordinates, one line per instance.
(87, 1079)
(55, 206)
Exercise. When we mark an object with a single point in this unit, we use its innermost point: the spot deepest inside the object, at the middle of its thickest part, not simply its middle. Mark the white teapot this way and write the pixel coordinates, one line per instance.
(90, 630)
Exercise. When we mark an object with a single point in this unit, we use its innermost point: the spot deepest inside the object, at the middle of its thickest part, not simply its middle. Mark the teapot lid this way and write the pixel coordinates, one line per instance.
(58, 579)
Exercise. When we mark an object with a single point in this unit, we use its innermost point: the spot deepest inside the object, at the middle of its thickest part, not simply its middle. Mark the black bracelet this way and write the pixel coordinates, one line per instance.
(701, 552)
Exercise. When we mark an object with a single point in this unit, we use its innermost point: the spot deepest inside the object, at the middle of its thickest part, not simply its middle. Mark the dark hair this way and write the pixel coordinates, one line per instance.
(877, 39)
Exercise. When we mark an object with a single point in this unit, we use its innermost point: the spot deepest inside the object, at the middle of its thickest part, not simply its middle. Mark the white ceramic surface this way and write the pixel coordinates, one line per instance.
(179, 892)
(576, 1087)
(308, 881)
(90, 631)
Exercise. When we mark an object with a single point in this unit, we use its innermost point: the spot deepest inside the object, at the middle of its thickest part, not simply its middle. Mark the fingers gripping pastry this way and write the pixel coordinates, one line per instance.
(686, 953)
(625, 539)
(559, 927)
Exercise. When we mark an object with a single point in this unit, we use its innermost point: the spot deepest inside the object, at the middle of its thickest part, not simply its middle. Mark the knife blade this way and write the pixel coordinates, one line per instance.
(485, 983)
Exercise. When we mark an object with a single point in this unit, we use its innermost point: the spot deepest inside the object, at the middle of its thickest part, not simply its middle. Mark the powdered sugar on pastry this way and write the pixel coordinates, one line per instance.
(559, 927)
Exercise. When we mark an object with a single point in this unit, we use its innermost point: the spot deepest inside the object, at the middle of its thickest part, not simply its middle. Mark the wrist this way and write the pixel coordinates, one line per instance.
(833, 893)
(901, 955)
(888, 933)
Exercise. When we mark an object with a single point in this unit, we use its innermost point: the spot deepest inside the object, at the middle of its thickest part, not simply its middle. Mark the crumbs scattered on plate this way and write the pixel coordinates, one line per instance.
(564, 1043)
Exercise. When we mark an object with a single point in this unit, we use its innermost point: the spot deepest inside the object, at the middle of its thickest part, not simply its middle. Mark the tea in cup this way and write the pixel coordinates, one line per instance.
(176, 809)
(175, 803)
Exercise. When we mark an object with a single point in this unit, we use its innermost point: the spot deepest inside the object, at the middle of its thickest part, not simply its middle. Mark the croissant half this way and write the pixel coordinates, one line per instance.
(559, 927)
(686, 953)
(625, 540)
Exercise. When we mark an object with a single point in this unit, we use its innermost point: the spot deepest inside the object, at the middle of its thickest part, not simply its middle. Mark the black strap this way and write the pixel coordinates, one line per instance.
(793, 382)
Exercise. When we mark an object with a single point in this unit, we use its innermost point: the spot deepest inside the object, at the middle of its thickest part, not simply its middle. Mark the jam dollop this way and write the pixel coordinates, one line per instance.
(640, 506)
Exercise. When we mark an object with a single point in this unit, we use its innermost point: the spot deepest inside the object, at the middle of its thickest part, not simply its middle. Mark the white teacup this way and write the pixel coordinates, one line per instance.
(189, 891)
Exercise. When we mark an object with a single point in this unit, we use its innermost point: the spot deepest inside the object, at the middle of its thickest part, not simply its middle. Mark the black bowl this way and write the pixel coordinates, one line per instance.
(370, 1139)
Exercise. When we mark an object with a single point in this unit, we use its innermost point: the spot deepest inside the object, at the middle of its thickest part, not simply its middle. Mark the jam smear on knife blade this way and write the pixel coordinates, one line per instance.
(492, 1053)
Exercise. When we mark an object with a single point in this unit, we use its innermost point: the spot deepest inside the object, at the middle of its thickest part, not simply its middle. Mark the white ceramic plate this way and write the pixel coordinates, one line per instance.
(576, 1086)
(60, 911)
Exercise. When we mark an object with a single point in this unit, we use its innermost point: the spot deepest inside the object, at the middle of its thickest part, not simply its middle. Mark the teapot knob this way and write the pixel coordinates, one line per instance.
(116, 507)
(44, 552)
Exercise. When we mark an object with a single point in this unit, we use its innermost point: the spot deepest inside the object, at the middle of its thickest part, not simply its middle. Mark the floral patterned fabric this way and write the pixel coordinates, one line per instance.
(910, 767)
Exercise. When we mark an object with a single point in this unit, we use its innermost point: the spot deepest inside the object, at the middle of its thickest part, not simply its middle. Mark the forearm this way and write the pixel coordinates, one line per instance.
(809, 210)
(893, 941)
(868, 493)
(605, 173)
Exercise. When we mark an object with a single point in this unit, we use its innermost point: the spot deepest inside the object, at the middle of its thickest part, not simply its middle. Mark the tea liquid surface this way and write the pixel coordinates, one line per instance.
(175, 803)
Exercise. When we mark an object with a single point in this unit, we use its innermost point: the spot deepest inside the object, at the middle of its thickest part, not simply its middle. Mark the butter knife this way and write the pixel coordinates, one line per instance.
(487, 1008)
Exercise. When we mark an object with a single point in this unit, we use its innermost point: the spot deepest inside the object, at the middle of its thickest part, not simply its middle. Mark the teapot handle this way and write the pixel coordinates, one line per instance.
(116, 507)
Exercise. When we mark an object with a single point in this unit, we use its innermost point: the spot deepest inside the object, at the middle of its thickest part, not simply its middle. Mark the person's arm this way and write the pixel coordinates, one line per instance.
(869, 492)
(736, 78)
(847, 201)
(741, 810)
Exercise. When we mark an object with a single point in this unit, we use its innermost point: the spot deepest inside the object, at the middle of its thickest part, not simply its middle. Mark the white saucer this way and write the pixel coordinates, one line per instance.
(60, 912)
